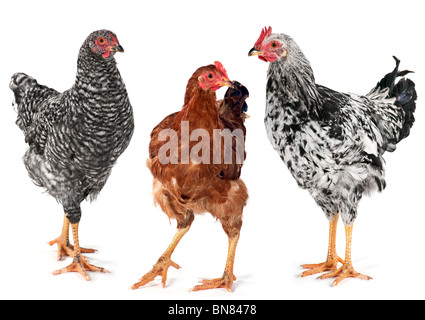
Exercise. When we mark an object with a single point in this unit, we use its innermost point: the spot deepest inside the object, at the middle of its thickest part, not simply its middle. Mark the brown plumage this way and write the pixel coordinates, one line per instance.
(186, 186)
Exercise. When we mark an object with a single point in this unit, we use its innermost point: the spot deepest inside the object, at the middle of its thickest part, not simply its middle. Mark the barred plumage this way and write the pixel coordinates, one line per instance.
(75, 137)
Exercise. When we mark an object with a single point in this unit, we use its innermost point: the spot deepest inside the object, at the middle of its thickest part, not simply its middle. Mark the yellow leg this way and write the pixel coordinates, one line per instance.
(64, 246)
(347, 270)
(79, 263)
(164, 262)
(228, 277)
(332, 259)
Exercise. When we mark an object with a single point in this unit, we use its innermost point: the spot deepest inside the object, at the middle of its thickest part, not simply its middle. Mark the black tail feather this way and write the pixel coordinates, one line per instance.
(389, 80)
(235, 97)
(405, 94)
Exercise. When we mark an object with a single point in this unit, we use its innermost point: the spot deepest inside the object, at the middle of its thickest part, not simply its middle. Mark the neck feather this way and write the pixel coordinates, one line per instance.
(199, 108)
(292, 83)
(94, 74)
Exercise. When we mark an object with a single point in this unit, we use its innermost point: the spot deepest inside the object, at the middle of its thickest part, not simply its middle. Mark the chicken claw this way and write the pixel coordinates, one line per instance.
(67, 249)
(328, 265)
(226, 281)
(159, 269)
(346, 271)
(80, 265)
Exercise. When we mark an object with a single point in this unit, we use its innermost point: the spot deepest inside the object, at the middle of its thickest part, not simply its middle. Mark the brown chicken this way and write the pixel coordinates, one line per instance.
(195, 157)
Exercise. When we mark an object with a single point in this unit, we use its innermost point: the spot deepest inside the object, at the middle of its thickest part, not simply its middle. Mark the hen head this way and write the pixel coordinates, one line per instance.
(270, 46)
(103, 44)
(213, 77)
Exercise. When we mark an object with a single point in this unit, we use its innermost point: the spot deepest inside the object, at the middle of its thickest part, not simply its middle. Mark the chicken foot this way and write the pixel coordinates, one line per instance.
(331, 263)
(347, 270)
(164, 262)
(64, 247)
(79, 263)
(226, 281)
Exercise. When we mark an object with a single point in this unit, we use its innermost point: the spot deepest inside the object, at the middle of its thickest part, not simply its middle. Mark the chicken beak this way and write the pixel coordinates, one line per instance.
(117, 48)
(226, 83)
(255, 52)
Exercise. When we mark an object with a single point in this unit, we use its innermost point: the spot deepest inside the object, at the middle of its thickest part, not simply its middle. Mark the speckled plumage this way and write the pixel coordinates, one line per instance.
(333, 143)
(75, 137)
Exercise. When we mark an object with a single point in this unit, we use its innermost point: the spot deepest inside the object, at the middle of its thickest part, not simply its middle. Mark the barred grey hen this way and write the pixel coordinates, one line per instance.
(76, 137)
(333, 143)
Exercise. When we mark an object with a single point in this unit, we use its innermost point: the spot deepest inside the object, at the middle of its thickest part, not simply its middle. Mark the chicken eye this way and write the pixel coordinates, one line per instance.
(101, 40)
(210, 76)
(274, 45)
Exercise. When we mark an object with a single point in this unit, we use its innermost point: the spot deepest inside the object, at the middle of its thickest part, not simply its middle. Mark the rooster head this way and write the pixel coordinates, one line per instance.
(269, 47)
(104, 44)
(213, 77)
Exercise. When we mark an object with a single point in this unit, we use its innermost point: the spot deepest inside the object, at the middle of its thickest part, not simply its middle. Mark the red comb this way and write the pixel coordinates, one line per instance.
(220, 67)
(264, 34)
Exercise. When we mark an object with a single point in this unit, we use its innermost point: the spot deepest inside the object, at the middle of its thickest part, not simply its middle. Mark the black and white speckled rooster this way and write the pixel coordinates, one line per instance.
(333, 143)
(76, 137)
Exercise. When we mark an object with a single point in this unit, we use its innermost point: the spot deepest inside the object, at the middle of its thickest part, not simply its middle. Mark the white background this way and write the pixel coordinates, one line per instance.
(350, 46)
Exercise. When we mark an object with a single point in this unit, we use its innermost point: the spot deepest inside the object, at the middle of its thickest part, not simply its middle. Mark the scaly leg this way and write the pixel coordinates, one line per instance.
(164, 262)
(347, 270)
(332, 260)
(228, 277)
(64, 247)
(79, 263)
